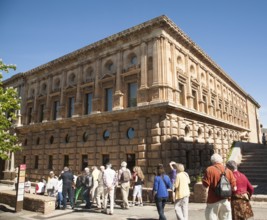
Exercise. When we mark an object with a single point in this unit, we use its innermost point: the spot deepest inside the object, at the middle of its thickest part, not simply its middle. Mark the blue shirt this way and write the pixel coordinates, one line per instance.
(160, 187)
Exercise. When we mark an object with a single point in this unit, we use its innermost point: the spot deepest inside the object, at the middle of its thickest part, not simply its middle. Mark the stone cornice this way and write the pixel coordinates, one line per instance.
(135, 112)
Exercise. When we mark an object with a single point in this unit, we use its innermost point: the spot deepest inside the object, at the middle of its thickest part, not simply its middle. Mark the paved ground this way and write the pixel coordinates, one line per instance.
(147, 212)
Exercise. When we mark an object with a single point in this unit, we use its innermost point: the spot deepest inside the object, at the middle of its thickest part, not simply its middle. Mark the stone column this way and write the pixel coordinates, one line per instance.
(96, 100)
(142, 92)
(189, 97)
(156, 61)
(62, 97)
(156, 80)
(174, 77)
(12, 162)
(35, 107)
(200, 104)
(78, 101)
(23, 105)
(118, 96)
(143, 66)
(210, 107)
(164, 62)
(47, 109)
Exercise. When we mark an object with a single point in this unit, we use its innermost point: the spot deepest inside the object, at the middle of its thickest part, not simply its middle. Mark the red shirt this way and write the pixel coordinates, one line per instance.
(242, 184)
(212, 177)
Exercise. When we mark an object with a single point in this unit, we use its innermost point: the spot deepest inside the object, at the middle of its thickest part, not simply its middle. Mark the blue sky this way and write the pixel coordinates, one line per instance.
(232, 32)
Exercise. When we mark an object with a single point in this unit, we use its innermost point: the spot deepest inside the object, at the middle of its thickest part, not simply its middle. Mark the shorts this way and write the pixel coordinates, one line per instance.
(137, 192)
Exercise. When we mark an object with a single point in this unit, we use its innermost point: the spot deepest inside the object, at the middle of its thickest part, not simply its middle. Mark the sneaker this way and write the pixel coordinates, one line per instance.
(141, 204)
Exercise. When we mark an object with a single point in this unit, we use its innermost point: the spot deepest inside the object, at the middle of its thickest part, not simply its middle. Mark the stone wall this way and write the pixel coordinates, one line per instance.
(32, 202)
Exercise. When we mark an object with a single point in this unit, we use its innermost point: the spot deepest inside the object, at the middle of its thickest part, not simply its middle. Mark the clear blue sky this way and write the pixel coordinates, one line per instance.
(232, 32)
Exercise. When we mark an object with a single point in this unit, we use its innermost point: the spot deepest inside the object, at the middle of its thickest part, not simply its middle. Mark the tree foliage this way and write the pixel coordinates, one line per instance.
(9, 104)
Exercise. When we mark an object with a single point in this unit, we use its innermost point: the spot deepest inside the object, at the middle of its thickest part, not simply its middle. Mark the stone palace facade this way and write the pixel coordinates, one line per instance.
(146, 95)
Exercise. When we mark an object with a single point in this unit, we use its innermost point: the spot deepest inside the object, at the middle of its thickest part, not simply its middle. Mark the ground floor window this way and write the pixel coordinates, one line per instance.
(130, 161)
(84, 161)
(66, 160)
(105, 159)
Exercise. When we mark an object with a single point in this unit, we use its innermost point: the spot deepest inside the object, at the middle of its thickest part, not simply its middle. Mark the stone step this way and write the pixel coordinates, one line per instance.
(259, 170)
(262, 172)
(256, 163)
(249, 150)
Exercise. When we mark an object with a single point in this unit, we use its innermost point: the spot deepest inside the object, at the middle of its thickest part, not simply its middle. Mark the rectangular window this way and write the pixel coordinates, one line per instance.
(71, 107)
(105, 159)
(194, 94)
(30, 115)
(181, 94)
(109, 99)
(84, 161)
(130, 161)
(50, 162)
(66, 160)
(88, 103)
(205, 104)
(41, 116)
(132, 94)
(36, 162)
(24, 160)
(55, 110)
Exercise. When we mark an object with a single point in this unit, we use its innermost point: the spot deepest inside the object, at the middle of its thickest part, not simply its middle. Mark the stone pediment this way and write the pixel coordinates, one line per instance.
(195, 80)
(106, 76)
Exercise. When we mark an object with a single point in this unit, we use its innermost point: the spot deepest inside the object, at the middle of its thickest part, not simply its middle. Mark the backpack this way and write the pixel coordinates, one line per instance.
(125, 176)
(79, 181)
(223, 188)
(88, 181)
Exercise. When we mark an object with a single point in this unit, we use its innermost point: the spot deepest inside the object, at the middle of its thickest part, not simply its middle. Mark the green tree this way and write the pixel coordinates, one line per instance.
(9, 104)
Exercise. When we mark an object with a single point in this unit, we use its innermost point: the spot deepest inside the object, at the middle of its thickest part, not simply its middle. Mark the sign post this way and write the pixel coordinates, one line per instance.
(20, 187)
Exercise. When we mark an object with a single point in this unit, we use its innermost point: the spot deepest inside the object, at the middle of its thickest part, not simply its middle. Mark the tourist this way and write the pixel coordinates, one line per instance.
(27, 186)
(51, 184)
(110, 181)
(79, 186)
(161, 185)
(173, 167)
(241, 207)
(67, 183)
(100, 188)
(40, 187)
(138, 181)
(182, 193)
(88, 186)
(217, 207)
(95, 174)
(124, 180)
(59, 202)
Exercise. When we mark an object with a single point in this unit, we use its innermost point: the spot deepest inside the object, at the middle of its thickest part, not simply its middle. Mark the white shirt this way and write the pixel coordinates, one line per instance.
(110, 178)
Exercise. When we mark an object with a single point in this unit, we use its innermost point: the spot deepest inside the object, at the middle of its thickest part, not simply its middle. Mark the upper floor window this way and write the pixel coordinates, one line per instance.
(36, 162)
(41, 113)
(55, 110)
(88, 103)
(50, 162)
(56, 85)
(29, 115)
(133, 60)
(109, 99)
(194, 94)
(72, 79)
(181, 93)
(70, 107)
(132, 94)
(205, 103)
